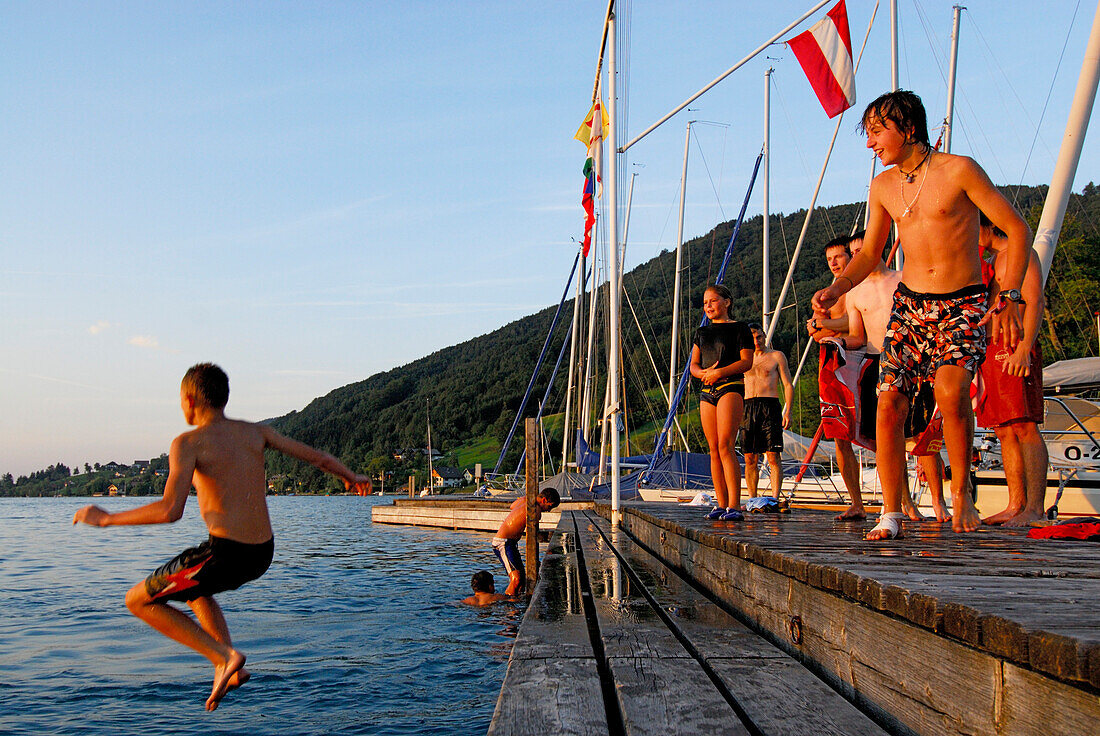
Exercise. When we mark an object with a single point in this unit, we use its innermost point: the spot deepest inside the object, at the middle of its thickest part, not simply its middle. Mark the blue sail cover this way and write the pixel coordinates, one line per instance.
(677, 470)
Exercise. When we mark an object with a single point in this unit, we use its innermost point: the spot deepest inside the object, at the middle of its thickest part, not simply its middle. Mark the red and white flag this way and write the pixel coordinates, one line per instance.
(825, 53)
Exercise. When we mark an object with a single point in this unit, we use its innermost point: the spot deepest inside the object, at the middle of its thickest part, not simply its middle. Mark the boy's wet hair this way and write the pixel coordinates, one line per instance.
(904, 109)
(843, 241)
(984, 221)
(482, 582)
(208, 383)
(550, 495)
(755, 326)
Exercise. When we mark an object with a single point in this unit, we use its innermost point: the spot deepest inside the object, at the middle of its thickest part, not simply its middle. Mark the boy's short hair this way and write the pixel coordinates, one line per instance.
(984, 221)
(208, 383)
(482, 582)
(904, 109)
(843, 241)
(550, 495)
(755, 326)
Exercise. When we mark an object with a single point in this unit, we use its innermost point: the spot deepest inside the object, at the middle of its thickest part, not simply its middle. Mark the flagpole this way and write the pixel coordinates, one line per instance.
(613, 271)
(675, 344)
(765, 255)
(723, 75)
(813, 200)
(949, 118)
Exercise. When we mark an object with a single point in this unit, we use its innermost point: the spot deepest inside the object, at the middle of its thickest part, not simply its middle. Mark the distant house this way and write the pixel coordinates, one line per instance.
(444, 477)
(141, 465)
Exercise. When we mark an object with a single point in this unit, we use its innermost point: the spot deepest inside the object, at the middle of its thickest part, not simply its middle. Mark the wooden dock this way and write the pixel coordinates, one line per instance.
(672, 624)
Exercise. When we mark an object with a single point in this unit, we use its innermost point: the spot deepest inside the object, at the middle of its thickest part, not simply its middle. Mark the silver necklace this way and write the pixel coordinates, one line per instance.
(901, 188)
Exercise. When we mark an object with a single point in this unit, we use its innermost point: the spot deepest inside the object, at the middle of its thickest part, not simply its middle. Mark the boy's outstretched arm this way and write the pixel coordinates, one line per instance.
(316, 458)
(181, 466)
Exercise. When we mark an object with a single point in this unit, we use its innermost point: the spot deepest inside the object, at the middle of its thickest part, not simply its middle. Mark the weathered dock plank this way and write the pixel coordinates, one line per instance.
(923, 632)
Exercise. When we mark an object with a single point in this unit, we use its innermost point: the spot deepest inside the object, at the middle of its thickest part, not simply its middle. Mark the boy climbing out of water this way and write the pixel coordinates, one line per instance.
(485, 590)
(224, 460)
(936, 330)
(506, 542)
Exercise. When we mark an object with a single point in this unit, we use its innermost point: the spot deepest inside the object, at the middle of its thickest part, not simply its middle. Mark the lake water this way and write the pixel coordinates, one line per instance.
(353, 630)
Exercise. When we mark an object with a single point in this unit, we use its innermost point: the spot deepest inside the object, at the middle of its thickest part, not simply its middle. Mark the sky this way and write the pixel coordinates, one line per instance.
(311, 193)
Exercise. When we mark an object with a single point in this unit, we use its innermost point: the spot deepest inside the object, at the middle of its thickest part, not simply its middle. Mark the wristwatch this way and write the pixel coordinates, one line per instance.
(1012, 295)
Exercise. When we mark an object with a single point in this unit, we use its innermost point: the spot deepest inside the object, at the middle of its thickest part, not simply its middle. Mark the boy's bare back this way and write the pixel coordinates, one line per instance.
(227, 463)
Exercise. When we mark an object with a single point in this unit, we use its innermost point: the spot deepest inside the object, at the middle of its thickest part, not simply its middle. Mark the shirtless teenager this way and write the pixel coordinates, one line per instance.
(833, 322)
(937, 328)
(764, 421)
(506, 542)
(869, 306)
(1012, 404)
(224, 459)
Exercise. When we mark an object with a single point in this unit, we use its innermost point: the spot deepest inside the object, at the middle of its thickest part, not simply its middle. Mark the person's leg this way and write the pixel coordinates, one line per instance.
(752, 472)
(1012, 461)
(210, 617)
(953, 399)
(1035, 458)
(848, 463)
(177, 625)
(708, 418)
(893, 407)
(777, 474)
(932, 465)
(731, 407)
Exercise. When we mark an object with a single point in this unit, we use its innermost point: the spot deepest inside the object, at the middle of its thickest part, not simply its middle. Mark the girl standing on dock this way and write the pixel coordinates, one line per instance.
(726, 347)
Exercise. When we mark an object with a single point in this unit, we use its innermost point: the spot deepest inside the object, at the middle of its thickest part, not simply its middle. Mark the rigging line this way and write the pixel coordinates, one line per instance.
(791, 127)
(710, 177)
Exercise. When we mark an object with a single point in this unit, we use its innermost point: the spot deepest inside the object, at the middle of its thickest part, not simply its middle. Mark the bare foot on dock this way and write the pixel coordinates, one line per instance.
(914, 513)
(1024, 518)
(940, 510)
(1002, 517)
(222, 675)
(852, 513)
(966, 518)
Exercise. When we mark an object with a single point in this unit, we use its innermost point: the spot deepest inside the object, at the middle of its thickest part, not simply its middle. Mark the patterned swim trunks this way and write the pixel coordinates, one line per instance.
(927, 331)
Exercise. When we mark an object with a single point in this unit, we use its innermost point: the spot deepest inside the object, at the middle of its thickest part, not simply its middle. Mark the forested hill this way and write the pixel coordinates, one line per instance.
(476, 387)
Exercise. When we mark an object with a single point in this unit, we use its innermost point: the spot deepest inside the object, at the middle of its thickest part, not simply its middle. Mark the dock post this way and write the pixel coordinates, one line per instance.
(532, 439)
(412, 485)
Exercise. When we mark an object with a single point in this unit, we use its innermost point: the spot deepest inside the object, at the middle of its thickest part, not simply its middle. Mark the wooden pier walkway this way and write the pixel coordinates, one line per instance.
(671, 624)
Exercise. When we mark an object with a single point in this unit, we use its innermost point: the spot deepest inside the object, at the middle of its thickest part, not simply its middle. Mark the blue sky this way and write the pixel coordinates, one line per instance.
(311, 193)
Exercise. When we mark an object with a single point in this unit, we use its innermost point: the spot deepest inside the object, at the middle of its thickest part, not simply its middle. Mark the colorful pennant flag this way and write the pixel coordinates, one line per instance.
(825, 53)
(591, 135)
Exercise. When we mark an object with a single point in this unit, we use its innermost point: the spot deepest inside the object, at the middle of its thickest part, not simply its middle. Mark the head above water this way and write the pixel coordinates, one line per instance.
(483, 582)
(717, 301)
(208, 384)
(904, 110)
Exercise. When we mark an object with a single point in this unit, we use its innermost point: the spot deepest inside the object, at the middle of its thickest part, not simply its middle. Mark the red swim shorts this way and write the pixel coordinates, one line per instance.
(1007, 399)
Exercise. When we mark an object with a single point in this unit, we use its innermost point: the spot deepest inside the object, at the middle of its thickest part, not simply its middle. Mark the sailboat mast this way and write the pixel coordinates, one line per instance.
(674, 346)
(613, 269)
(949, 119)
(566, 436)
(1054, 208)
(431, 470)
(765, 256)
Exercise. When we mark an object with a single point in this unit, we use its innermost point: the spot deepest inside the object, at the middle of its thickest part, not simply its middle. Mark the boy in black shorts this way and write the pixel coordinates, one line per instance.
(765, 419)
(224, 459)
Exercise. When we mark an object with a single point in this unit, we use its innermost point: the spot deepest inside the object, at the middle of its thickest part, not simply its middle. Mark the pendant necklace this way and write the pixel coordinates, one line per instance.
(910, 175)
(909, 178)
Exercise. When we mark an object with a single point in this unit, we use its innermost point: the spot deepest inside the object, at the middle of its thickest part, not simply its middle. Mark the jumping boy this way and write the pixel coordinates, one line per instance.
(936, 329)
(506, 542)
(224, 459)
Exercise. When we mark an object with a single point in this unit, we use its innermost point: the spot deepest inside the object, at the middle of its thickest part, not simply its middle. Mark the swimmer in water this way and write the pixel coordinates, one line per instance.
(224, 459)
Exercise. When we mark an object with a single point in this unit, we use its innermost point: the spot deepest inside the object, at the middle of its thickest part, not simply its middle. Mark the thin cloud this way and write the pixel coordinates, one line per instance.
(148, 342)
(99, 327)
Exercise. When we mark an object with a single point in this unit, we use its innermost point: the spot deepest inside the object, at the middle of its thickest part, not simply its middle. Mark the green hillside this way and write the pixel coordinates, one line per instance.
(476, 387)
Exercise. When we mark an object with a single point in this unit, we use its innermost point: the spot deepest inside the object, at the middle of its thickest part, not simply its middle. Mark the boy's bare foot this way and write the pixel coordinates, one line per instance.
(239, 678)
(914, 514)
(222, 675)
(940, 510)
(852, 513)
(966, 518)
(1024, 518)
(1002, 517)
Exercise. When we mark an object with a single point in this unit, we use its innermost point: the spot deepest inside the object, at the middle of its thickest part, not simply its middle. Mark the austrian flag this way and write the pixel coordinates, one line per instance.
(825, 53)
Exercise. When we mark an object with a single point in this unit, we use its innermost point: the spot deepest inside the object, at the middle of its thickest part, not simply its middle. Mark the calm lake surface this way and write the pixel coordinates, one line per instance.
(354, 629)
